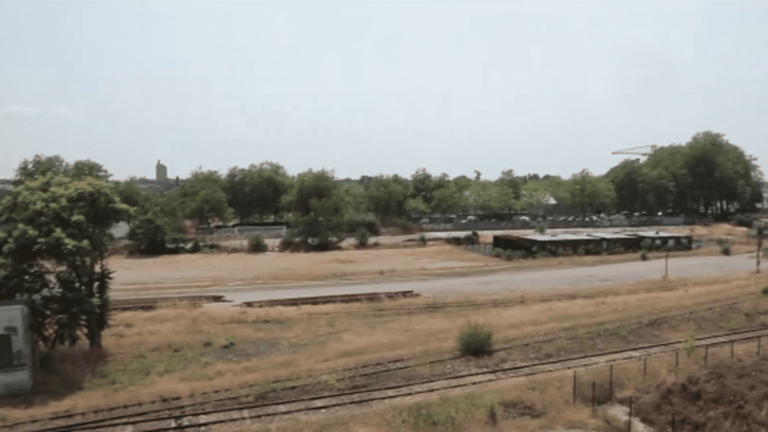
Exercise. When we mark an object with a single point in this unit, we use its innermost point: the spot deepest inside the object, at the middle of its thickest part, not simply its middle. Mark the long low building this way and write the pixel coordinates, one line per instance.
(590, 243)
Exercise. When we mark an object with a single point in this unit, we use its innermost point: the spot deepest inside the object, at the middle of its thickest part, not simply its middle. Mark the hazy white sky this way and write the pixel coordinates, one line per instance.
(368, 87)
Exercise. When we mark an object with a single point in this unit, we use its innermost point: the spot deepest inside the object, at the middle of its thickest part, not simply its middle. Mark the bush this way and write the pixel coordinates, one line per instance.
(644, 255)
(256, 244)
(646, 245)
(541, 229)
(497, 253)
(514, 255)
(725, 247)
(472, 239)
(367, 222)
(423, 240)
(287, 240)
(362, 236)
(764, 291)
(475, 340)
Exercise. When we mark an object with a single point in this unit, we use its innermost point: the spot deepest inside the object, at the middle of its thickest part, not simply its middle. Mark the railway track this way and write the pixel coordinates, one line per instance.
(232, 395)
(203, 416)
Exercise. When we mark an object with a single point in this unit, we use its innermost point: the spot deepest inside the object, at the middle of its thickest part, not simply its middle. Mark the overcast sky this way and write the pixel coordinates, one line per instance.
(369, 87)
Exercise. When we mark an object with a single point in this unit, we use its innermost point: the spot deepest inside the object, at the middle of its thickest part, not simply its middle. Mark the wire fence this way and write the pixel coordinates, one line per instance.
(599, 385)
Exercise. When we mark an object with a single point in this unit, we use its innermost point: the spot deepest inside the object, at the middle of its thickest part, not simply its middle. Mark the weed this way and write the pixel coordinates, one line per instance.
(689, 346)
(330, 321)
(764, 291)
(423, 240)
(330, 381)
(475, 340)
(541, 229)
(208, 341)
(644, 255)
(646, 245)
(229, 342)
(497, 252)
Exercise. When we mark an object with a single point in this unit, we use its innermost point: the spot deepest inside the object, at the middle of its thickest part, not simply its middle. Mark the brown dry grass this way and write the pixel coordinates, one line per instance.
(546, 397)
(178, 351)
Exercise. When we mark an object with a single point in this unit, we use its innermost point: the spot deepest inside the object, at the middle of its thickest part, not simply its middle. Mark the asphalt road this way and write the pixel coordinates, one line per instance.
(517, 281)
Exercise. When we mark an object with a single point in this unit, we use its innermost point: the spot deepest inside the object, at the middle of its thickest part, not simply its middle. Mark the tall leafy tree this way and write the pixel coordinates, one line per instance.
(257, 190)
(54, 246)
(202, 198)
(387, 196)
(318, 210)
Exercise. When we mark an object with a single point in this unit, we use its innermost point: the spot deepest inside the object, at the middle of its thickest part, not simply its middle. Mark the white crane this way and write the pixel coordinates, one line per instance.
(645, 150)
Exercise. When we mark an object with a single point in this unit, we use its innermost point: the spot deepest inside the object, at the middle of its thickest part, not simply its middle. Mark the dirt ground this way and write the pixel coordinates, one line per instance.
(232, 269)
(728, 396)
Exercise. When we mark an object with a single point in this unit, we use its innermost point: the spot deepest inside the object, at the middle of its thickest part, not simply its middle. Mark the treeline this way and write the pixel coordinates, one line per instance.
(706, 176)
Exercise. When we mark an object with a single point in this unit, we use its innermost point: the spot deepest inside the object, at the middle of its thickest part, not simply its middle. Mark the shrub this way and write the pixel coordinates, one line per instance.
(646, 245)
(541, 229)
(423, 240)
(362, 236)
(644, 255)
(497, 252)
(256, 244)
(367, 222)
(471, 239)
(725, 247)
(581, 251)
(764, 291)
(475, 340)
(287, 240)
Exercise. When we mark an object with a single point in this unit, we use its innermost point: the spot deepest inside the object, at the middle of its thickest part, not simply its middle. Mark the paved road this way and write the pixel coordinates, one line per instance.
(515, 281)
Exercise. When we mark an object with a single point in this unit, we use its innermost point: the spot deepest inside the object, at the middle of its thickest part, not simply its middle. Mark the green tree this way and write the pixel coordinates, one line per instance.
(387, 196)
(625, 178)
(417, 206)
(54, 245)
(587, 192)
(156, 222)
(447, 199)
(318, 212)
(257, 190)
(202, 198)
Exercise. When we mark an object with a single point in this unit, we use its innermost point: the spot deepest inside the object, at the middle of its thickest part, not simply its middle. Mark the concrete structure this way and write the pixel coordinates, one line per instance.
(161, 172)
(16, 348)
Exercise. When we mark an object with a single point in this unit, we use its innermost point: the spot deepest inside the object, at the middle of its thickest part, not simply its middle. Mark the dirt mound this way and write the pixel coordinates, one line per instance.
(730, 396)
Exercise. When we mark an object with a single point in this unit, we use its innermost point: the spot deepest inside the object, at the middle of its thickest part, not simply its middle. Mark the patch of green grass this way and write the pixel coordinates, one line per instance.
(330, 321)
(142, 367)
(764, 291)
(449, 413)
(229, 342)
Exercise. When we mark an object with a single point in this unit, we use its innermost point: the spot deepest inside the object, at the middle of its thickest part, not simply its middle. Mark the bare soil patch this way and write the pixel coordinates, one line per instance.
(728, 396)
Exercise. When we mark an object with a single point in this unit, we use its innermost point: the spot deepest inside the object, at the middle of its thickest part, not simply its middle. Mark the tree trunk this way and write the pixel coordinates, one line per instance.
(94, 334)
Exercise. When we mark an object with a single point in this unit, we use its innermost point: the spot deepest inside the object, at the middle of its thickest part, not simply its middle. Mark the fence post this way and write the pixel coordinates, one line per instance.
(759, 339)
(706, 353)
(673, 421)
(593, 394)
(574, 387)
(610, 385)
(677, 360)
(629, 422)
(645, 367)
(731, 349)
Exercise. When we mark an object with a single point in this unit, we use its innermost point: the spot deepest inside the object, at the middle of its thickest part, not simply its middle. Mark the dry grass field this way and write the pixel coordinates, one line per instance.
(180, 350)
